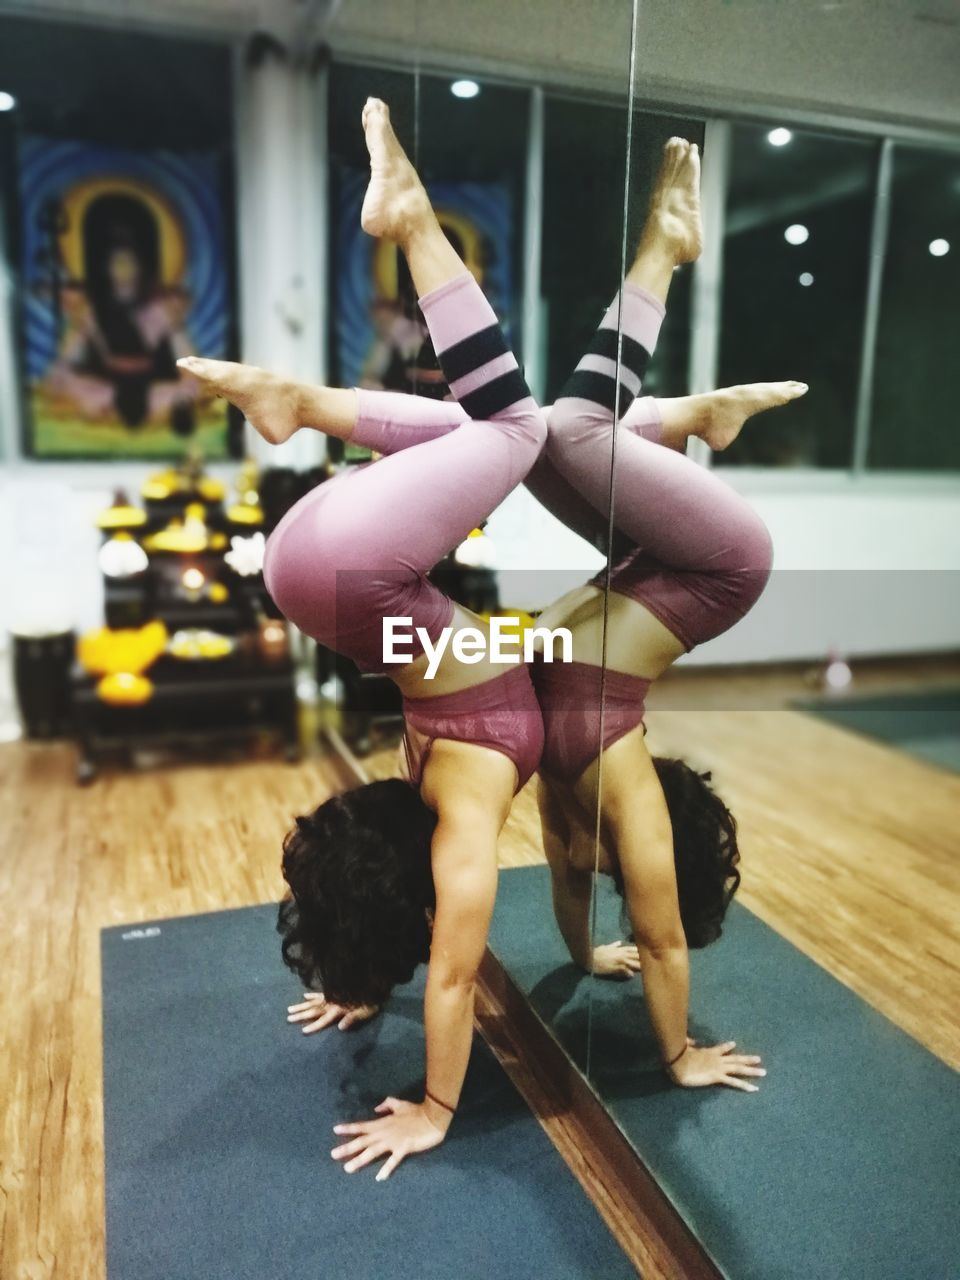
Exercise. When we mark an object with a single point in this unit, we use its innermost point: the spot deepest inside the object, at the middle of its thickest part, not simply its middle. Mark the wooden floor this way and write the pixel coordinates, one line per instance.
(850, 850)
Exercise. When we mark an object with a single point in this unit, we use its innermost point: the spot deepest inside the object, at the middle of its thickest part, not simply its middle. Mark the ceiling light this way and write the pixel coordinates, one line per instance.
(464, 88)
(806, 279)
(939, 247)
(779, 137)
(7, 101)
(796, 233)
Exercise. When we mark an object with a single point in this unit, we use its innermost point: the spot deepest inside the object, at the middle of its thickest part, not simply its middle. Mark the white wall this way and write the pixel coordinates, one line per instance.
(861, 570)
(49, 540)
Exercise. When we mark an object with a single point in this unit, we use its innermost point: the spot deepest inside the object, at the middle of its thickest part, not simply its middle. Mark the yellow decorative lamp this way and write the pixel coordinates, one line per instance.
(109, 652)
(124, 689)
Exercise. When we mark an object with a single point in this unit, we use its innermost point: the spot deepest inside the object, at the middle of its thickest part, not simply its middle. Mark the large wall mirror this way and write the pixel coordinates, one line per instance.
(707, 833)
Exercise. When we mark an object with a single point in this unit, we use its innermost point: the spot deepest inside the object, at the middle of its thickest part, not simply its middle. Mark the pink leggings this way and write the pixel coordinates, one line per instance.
(358, 548)
(699, 555)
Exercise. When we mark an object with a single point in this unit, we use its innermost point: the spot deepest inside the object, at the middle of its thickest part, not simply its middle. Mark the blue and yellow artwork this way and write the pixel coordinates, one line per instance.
(381, 339)
(124, 270)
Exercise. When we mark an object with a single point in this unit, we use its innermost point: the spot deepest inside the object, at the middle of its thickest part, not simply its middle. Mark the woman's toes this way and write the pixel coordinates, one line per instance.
(792, 390)
(207, 368)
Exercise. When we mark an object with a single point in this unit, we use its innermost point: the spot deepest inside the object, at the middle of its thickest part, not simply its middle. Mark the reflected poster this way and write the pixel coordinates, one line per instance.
(381, 339)
(123, 271)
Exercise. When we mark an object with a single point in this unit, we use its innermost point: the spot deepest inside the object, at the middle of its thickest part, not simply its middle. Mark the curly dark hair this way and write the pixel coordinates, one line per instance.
(705, 850)
(355, 924)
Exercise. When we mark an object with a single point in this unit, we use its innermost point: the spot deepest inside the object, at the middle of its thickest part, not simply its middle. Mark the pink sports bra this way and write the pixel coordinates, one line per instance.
(569, 694)
(502, 714)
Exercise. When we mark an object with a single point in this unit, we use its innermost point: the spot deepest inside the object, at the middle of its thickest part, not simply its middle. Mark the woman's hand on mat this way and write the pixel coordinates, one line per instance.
(700, 1066)
(316, 1013)
(616, 960)
(403, 1131)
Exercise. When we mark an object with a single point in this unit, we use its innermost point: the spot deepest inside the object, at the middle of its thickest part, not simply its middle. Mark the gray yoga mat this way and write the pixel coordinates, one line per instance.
(844, 1166)
(218, 1119)
(924, 723)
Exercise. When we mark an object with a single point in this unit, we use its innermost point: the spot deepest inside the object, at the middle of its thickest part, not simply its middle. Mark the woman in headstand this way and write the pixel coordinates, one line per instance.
(399, 872)
(697, 559)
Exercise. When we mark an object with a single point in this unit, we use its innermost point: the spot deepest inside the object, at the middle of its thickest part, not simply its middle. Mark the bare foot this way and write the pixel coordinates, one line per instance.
(268, 402)
(725, 411)
(395, 199)
(673, 219)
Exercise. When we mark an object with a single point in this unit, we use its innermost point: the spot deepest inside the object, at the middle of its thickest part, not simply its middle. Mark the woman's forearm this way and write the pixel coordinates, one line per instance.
(666, 990)
(573, 920)
(471, 806)
(448, 1022)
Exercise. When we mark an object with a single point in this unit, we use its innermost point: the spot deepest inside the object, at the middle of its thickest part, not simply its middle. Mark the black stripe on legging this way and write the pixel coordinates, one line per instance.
(634, 357)
(472, 352)
(598, 387)
(493, 397)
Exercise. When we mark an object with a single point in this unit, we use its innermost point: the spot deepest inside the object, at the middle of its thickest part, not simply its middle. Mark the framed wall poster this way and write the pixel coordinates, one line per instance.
(124, 270)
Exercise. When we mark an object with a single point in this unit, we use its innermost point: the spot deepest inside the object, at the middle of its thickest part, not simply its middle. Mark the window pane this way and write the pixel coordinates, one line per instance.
(795, 276)
(914, 420)
(582, 220)
(668, 374)
(475, 151)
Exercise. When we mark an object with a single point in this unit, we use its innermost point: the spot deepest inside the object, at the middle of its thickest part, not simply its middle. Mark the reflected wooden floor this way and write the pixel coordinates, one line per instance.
(850, 850)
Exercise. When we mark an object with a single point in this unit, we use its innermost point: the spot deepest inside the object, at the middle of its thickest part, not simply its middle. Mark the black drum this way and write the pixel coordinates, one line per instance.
(41, 678)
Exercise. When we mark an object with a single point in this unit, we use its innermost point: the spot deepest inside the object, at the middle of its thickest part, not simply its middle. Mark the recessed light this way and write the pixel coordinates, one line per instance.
(806, 278)
(796, 233)
(7, 101)
(779, 137)
(464, 88)
(939, 247)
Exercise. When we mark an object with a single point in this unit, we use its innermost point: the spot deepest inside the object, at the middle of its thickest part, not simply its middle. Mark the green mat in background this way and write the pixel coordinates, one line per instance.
(924, 724)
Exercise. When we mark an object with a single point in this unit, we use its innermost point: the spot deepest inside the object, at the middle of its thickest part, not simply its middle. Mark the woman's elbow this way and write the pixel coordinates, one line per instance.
(453, 978)
(662, 940)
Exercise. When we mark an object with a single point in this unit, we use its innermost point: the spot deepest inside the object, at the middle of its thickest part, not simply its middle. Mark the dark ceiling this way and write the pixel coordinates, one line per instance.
(117, 87)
